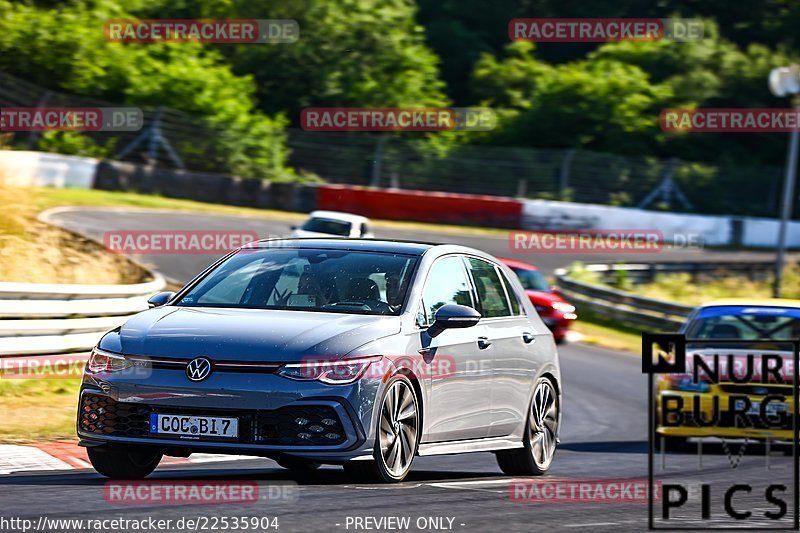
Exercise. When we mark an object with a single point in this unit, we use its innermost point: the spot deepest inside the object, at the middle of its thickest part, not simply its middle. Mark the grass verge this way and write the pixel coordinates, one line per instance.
(35, 410)
(610, 335)
(34, 252)
(691, 289)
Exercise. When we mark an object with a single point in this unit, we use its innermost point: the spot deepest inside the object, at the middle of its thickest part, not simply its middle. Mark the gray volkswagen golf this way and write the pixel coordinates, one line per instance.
(362, 353)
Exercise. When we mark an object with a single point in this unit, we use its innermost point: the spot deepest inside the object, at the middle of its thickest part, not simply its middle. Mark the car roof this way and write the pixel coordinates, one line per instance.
(338, 215)
(366, 245)
(513, 263)
(759, 302)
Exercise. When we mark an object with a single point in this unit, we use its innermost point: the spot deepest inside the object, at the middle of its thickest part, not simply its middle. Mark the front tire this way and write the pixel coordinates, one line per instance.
(123, 463)
(539, 442)
(397, 437)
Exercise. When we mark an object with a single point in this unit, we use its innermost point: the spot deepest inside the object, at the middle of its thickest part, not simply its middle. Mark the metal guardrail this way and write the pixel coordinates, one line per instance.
(41, 319)
(634, 310)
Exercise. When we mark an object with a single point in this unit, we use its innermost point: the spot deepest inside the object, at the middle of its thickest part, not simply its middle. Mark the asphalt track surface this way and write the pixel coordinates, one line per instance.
(603, 437)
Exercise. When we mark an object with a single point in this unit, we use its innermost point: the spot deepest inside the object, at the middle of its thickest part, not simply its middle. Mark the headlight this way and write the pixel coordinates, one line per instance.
(103, 361)
(339, 372)
(563, 307)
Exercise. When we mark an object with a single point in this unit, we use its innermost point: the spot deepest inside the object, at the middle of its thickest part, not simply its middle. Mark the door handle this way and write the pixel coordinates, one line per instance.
(484, 342)
(528, 337)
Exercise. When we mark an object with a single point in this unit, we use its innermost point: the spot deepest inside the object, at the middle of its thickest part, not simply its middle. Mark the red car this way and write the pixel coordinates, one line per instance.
(556, 312)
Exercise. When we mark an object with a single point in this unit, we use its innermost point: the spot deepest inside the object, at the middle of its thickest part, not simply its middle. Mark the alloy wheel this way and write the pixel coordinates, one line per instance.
(544, 423)
(398, 428)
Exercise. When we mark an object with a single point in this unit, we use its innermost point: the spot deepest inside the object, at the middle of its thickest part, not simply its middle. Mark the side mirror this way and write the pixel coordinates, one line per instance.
(453, 316)
(293, 227)
(157, 300)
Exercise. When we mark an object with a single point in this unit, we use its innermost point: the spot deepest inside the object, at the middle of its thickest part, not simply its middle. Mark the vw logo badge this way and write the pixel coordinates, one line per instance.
(198, 369)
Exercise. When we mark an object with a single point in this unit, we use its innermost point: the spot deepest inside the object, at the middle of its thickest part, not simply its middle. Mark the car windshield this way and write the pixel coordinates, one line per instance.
(747, 323)
(328, 226)
(340, 281)
(532, 280)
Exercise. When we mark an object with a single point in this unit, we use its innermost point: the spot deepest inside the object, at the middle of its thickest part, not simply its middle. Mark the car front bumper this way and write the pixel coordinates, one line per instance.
(277, 416)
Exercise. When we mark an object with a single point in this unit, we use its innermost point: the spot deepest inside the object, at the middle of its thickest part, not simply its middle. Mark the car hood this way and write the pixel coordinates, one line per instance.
(247, 334)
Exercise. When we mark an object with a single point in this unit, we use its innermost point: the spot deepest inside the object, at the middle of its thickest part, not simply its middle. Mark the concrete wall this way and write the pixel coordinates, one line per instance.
(422, 206)
(39, 169)
(544, 214)
(716, 230)
(763, 232)
(205, 187)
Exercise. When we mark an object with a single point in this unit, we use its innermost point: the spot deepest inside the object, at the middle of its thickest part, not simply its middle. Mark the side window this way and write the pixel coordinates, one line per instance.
(491, 294)
(446, 284)
(512, 295)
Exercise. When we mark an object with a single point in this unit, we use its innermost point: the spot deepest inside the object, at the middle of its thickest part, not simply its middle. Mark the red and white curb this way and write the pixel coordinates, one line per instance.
(60, 456)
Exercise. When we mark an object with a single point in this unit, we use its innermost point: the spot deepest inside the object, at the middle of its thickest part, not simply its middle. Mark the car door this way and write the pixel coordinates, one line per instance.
(511, 338)
(459, 406)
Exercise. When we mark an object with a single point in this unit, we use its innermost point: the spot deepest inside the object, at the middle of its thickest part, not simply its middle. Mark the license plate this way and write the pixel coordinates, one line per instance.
(773, 408)
(194, 426)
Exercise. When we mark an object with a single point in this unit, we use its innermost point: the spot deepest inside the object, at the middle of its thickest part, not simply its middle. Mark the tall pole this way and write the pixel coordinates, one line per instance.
(786, 207)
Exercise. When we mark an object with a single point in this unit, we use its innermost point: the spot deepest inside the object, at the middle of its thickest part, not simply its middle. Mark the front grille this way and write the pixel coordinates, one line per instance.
(300, 426)
(105, 416)
(308, 425)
